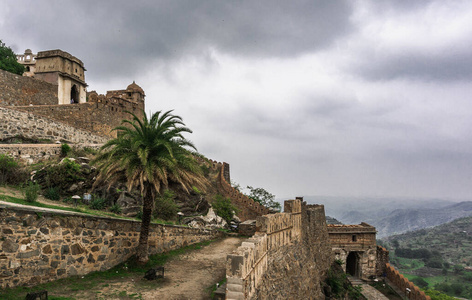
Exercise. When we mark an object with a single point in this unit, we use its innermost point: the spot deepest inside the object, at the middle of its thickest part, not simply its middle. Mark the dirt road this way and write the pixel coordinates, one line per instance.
(192, 276)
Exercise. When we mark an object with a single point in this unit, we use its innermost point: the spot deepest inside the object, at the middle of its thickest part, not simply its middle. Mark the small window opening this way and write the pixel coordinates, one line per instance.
(354, 238)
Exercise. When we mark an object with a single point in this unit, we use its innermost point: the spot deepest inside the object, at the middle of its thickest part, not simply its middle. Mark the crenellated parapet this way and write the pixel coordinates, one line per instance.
(288, 248)
(248, 209)
(411, 291)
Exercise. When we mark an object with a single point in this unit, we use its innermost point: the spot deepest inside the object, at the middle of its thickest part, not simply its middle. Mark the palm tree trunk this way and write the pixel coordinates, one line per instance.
(142, 250)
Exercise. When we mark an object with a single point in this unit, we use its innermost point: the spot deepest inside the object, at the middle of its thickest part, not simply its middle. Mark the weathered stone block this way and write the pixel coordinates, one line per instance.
(9, 246)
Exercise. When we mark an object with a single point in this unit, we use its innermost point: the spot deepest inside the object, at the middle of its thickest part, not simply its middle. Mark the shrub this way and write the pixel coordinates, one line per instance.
(52, 194)
(7, 166)
(98, 203)
(65, 149)
(61, 175)
(165, 207)
(31, 192)
(420, 282)
(115, 208)
(223, 207)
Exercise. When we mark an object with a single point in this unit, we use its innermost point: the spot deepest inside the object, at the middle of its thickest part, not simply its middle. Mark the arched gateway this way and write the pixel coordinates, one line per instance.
(356, 247)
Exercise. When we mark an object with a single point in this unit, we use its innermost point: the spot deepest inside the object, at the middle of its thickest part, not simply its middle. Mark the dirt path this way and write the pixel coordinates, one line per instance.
(192, 276)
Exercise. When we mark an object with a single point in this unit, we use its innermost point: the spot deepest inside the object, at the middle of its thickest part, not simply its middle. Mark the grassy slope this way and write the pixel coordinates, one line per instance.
(453, 240)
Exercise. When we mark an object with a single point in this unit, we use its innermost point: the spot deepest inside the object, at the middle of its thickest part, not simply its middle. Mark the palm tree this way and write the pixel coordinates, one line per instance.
(148, 154)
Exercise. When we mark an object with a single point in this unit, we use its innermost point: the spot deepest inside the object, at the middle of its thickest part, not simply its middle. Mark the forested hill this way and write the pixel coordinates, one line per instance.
(453, 240)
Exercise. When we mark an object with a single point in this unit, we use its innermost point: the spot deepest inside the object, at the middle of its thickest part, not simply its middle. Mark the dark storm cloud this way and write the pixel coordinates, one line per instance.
(123, 37)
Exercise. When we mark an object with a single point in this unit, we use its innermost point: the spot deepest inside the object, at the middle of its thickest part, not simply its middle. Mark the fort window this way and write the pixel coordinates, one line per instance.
(27, 69)
(354, 238)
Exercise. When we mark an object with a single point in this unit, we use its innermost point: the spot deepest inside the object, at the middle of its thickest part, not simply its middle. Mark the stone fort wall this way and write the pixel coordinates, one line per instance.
(402, 283)
(287, 258)
(23, 123)
(95, 117)
(22, 90)
(38, 247)
(248, 209)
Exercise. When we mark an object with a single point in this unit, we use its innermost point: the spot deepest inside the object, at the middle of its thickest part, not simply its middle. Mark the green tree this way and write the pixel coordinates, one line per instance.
(8, 60)
(223, 207)
(148, 153)
(263, 197)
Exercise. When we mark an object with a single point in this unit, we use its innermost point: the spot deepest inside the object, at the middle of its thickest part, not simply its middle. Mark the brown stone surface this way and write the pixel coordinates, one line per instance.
(65, 244)
(357, 242)
(22, 90)
(287, 258)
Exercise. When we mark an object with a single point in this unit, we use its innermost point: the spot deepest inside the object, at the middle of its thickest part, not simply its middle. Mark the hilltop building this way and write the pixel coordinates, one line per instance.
(54, 89)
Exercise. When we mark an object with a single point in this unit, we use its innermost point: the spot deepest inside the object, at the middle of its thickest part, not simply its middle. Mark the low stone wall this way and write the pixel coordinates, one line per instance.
(287, 258)
(14, 122)
(21, 90)
(403, 284)
(38, 247)
(33, 153)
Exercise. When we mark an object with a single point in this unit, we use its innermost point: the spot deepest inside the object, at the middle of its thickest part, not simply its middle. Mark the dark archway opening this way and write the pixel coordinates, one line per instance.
(74, 95)
(352, 264)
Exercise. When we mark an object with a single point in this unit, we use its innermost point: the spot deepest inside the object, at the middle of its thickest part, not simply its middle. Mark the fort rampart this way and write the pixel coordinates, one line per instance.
(408, 289)
(21, 123)
(287, 258)
(248, 209)
(95, 117)
(38, 247)
(21, 90)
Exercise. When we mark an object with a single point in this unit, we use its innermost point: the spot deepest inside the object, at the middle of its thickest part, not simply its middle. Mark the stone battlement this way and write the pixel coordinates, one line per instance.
(281, 241)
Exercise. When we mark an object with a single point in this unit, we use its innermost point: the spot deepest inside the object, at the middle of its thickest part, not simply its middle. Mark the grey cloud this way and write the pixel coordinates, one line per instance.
(448, 66)
(124, 37)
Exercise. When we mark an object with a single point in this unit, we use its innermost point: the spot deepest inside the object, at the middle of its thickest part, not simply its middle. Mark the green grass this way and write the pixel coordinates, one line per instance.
(98, 280)
(79, 209)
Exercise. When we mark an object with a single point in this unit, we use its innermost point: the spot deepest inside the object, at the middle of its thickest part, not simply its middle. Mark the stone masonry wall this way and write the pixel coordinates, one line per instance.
(21, 90)
(286, 259)
(33, 153)
(382, 260)
(93, 117)
(14, 123)
(38, 247)
(403, 284)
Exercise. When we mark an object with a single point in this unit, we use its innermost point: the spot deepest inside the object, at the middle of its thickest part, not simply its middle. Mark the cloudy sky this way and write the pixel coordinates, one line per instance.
(335, 98)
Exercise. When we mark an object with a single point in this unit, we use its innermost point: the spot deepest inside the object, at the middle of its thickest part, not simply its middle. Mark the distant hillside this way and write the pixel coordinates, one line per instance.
(404, 220)
(453, 240)
(393, 215)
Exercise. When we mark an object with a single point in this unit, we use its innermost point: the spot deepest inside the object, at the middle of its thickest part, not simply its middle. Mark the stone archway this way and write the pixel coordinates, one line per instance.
(352, 264)
(74, 94)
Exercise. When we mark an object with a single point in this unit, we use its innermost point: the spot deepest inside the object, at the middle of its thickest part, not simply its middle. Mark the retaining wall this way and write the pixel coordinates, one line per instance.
(38, 247)
(21, 123)
(33, 153)
(21, 90)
